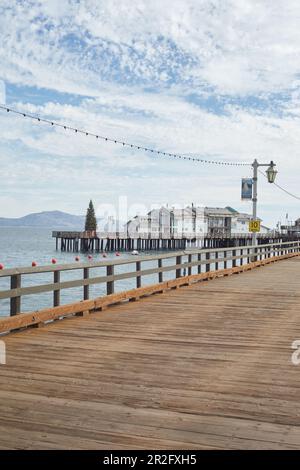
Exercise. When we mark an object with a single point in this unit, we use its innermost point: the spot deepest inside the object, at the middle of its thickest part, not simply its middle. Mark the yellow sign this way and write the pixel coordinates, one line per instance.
(254, 226)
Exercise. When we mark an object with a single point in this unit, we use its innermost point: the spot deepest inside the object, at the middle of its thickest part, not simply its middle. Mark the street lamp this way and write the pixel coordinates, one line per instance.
(271, 175)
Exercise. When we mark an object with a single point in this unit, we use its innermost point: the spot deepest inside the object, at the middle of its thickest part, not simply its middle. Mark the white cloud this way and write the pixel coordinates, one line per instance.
(247, 46)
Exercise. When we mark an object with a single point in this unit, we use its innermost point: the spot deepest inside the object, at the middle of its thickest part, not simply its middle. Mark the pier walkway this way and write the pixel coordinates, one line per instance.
(206, 366)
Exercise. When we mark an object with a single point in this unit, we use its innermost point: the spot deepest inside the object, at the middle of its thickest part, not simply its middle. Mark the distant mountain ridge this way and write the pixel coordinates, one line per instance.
(49, 219)
(58, 220)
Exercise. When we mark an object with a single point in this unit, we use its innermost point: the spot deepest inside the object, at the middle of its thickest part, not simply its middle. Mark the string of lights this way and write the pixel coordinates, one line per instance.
(281, 188)
(121, 142)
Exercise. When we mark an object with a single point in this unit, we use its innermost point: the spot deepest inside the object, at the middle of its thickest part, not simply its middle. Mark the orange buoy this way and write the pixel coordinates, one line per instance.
(53, 261)
(77, 258)
(90, 257)
(33, 264)
(1, 266)
(118, 254)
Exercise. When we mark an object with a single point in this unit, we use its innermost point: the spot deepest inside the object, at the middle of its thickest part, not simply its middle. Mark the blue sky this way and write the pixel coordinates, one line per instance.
(216, 78)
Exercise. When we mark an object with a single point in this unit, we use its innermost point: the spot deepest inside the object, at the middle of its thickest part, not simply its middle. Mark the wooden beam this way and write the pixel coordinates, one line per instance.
(15, 302)
(56, 292)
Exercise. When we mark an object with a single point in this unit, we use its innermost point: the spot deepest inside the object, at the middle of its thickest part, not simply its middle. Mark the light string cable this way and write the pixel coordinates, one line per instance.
(121, 142)
(281, 188)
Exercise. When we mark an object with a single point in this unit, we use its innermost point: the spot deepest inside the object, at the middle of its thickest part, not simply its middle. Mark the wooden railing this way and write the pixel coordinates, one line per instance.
(207, 263)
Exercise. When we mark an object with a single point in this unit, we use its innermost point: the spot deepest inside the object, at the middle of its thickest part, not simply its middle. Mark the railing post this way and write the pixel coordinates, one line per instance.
(178, 262)
(110, 288)
(234, 260)
(225, 259)
(190, 267)
(56, 292)
(160, 274)
(242, 259)
(199, 265)
(207, 266)
(216, 263)
(15, 302)
(86, 288)
(138, 278)
(248, 257)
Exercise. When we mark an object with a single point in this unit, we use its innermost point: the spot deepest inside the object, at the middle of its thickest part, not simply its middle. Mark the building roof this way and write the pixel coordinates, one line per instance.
(221, 211)
(231, 209)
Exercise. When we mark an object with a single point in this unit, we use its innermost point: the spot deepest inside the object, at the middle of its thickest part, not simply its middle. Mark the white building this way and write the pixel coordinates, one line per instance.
(190, 222)
(240, 223)
(137, 226)
(218, 221)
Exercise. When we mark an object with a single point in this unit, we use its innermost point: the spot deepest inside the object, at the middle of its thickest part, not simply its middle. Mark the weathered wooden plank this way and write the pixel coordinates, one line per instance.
(203, 367)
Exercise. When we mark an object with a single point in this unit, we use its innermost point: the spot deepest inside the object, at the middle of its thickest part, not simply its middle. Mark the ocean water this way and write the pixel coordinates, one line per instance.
(20, 246)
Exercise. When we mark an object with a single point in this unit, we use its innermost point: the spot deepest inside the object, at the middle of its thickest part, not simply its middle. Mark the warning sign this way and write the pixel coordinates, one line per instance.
(254, 226)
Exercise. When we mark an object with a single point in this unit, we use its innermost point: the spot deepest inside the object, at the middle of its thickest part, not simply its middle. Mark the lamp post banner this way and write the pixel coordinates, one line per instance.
(247, 184)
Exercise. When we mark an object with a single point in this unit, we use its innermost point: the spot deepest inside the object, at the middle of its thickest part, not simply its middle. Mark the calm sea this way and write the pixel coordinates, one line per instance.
(20, 246)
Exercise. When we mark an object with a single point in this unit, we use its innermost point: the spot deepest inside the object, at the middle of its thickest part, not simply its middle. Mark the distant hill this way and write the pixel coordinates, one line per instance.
(56, 220)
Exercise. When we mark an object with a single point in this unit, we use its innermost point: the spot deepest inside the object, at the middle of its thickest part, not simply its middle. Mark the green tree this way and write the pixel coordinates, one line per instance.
(90, 219)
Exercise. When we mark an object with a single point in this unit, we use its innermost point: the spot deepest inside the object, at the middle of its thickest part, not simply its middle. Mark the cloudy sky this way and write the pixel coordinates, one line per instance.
(216, 78)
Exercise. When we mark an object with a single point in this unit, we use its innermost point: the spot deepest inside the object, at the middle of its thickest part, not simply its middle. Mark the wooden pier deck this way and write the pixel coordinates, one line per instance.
(118, 241)
(207, 366)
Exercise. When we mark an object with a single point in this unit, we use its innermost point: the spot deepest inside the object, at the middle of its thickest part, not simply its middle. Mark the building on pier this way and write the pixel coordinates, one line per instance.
(191, 222)
(292, 229)
(169, 229)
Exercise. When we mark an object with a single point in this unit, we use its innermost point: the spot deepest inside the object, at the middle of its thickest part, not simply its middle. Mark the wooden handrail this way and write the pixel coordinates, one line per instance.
(98, 264)
(184, 262)
(39, 318)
